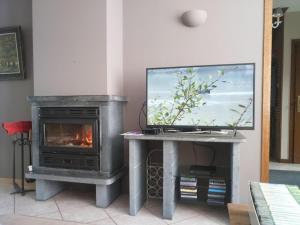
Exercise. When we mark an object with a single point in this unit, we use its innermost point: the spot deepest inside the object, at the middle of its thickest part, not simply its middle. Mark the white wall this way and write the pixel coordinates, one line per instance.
(115, 47)
(69, 45)
(78, 47)
(154, 37)
(13, 104)
(291, 31)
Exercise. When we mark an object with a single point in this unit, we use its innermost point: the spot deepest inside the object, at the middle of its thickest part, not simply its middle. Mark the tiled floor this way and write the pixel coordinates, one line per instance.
(78, 207)
(284, 166)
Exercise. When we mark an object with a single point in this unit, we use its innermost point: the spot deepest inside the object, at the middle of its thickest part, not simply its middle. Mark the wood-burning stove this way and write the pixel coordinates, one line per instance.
(69, 137)
(77, 139)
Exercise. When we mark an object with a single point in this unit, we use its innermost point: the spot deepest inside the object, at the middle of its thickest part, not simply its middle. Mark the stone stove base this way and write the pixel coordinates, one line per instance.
(47, 186)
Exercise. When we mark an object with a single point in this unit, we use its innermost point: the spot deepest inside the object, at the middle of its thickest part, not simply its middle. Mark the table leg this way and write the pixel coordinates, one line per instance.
(170, 165)
(235, 173)
(137, 175)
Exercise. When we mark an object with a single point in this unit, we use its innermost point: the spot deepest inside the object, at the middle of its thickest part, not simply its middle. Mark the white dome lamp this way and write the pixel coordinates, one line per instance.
(194, 18)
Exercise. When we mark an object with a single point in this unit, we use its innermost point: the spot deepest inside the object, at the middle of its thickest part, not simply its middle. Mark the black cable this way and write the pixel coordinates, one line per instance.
(142, 110)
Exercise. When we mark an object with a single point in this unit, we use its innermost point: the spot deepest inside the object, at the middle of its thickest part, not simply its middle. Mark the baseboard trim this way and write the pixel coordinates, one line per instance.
(285, 161)
(8, 180)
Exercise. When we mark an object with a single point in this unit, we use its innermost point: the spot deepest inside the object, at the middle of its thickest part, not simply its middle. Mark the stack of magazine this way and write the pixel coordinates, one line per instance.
(188, 188)
(216, 192)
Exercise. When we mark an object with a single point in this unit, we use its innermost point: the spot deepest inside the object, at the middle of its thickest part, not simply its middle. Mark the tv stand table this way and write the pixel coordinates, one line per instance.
(137, 166)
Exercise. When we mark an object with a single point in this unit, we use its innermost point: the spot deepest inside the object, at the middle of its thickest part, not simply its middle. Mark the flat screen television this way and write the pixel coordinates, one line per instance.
(209, 97)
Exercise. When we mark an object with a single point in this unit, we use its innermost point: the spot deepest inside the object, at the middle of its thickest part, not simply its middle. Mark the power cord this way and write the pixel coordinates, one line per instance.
(140, 113)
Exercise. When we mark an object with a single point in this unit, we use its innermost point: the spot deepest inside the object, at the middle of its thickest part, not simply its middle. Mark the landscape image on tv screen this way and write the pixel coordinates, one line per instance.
(219, 96)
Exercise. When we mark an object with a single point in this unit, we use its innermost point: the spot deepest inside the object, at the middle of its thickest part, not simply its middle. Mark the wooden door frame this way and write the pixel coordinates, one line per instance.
(266, 91)
(292, 99)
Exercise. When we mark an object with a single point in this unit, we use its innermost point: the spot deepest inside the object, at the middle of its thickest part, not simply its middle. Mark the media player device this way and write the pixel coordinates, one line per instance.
(151, 131)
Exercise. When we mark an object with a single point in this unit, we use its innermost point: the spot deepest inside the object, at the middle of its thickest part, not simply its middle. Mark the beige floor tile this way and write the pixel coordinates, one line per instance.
(185, 211)
(54, 215)
(198, 220)
(27, 205)
(218, 214)
(27, 220)
(79, 206)
(107, 221)
(75, 199)
(6, 203)
(144, 217)
(83, 214)
(119, 207)
(6, 199)
(182, 212)
(151, 203)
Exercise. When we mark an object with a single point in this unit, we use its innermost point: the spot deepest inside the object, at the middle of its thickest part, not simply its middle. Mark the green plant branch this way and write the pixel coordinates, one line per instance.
(243, 113)
(180, 111)
(187, 96)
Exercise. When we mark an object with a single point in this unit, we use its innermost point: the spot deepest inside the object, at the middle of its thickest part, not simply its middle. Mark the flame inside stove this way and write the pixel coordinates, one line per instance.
(70, 135)
(83, 138)
(88, 137)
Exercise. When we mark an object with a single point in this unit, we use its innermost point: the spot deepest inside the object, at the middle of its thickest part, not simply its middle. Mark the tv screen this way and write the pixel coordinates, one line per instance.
(212, 97)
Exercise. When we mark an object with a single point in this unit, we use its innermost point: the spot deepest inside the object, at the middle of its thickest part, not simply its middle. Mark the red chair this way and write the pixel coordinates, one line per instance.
(22, 131)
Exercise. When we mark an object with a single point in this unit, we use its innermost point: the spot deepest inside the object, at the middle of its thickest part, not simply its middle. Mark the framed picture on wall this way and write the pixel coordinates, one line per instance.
(11, 54)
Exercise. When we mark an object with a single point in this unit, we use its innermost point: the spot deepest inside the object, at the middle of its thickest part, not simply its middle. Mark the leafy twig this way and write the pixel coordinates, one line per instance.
(242, 113)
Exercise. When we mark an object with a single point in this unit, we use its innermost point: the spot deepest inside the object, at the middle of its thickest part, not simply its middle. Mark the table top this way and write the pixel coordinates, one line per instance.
(221, 137)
